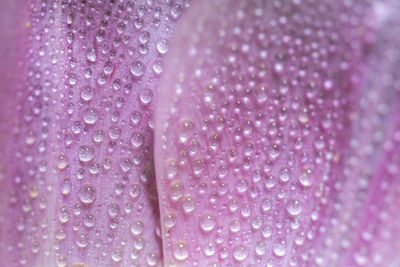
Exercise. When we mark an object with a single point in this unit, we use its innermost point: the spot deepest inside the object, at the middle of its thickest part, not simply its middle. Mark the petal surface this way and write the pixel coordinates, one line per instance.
(263, 134)
(78, 184)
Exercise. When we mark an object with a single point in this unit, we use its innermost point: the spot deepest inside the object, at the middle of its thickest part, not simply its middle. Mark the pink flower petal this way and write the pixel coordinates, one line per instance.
(77, 176)
(269, 117)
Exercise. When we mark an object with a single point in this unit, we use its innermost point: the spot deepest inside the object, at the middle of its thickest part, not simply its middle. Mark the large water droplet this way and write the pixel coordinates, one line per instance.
(294, 207)
(137, 227)
(279, 248)
(180, 251)
(90, 116)
(240, 252)
(86, 153)
(207, 222)
(138, 69)
(87, 194)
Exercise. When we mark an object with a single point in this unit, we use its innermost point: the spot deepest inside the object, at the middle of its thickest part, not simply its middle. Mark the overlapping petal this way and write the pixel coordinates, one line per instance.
(276, 137)
(78, 184)
(275, 134)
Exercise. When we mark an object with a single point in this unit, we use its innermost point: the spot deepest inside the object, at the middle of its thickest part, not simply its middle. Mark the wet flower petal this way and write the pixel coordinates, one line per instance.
(277, 133)
(77, 174)
(273, 134)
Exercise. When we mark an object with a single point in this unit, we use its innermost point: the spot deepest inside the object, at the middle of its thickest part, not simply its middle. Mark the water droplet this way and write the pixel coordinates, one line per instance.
(305, 178)
(82, 240)
(279, 248)
(116, 255)
(186, 130)
(90, 116)
(162, 46)
(98, 136)
(86, 153)
(188, 204)
(157, 67)
(172, 168)
(284, 175)
(241, 186)
(91, 55)
(169, 220)
(87, 93)
(146, 96)
(138, 69)
(294, 207)
(240, 252)
(136, 117)
(207, 222)
(235, 226)
(176, 11)
(89, 220)
(63, 215)
(66, 187)
(152, 259)
(87, 194)
(137, 139)
(113, 209)
(134, 191)
(259, 248)
(180, 251)
(137, 227)
(114, 132)
(266, 231)
(176, 190)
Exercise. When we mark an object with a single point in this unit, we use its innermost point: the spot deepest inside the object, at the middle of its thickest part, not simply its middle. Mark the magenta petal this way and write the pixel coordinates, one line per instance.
(263, 134)
(77, 178)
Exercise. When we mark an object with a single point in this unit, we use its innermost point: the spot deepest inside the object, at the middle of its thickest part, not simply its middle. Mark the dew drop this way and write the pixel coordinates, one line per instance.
(172, 168)
(162, 46)
(116, 255)
(169, 220)
(137, 227)
(90, 116)
(134, 191)
(279, 248)
(146, 96)
(137, 139)
(305, 178)
(87, 93)
(176, 190)
(207, 222)
(89, 220)
(240, 252)
(87, 194)
(136, 117)
(180, 251)
(63, 215)
(186, 130)
(188, 204)
(138, 69)
(86, 153)
(259, 248)
(294, 207)
(91, 55)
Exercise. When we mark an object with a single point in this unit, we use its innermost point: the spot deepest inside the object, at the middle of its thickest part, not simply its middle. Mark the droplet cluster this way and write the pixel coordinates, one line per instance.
(82, 190)
(263, 128)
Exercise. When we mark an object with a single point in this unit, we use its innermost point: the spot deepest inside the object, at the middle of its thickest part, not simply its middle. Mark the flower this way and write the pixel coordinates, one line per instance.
(208, 133)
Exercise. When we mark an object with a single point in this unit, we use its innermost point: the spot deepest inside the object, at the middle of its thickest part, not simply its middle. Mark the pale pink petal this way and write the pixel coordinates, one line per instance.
(77, 174)
(263, 133)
